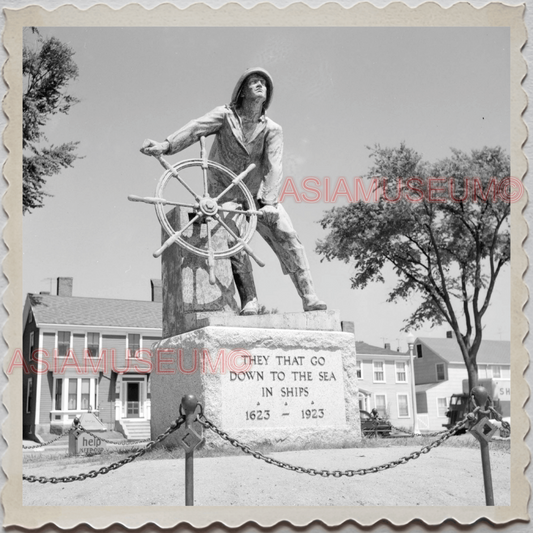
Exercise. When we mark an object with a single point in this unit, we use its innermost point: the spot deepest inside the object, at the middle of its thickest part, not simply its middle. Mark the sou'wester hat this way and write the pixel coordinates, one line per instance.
(261, 72)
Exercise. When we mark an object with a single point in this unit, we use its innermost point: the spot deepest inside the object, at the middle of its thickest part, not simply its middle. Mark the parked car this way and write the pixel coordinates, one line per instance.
(373, 425)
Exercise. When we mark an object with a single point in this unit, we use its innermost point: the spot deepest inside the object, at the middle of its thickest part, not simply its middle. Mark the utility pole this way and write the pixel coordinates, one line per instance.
(411, 343)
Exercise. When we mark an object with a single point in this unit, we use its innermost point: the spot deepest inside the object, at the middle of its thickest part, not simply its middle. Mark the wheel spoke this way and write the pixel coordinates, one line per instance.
(174, 237)
(241, 212)
(211, 253)
(203, 155)
(241, 241)
(162, 201)
(171, 169)
(236, 181)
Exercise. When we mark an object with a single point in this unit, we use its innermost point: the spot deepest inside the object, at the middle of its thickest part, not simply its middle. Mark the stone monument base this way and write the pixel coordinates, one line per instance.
(285, 381)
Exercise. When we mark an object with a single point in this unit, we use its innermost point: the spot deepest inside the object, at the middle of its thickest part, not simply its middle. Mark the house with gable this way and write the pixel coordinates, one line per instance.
(440, 371)
(88, 355)
(384, 380)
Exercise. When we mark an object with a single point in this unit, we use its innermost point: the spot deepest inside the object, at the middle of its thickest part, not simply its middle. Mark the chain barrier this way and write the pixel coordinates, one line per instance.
(411, 434)
(490, 410)
(337, 473)
(505, 425)
(25, 447)
(124, 442)
(113, 466)
(465, 423)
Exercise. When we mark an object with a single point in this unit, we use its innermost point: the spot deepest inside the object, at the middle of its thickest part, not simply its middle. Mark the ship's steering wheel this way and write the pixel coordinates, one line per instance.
(205, 208)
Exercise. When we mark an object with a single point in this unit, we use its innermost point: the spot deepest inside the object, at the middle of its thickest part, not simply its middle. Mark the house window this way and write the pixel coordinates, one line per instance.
(419, 351)
(379, 371)
(496, 372)
(63, 343)
(362, 401)
(381, 404)
(441, 374)
(359, 369)
(403, 406)
(32, 341)
(81, 394)
(93, 344)
(85, 394)
(401, 373)
(59, 393)
(29, 394)
(442, 406)
(134, 344)
(72, 394)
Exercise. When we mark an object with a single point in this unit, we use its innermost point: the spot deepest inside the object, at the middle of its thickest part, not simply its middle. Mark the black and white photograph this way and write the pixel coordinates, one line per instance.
(270, 269)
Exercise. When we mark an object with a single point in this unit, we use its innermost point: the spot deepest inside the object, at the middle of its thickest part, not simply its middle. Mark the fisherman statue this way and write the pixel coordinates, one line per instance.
(244, 135)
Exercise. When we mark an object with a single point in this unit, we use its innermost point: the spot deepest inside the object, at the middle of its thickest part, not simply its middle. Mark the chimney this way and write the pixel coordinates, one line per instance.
(157, 290)
(450, 335)
(64, 286)
(348, 327)
(387, 346)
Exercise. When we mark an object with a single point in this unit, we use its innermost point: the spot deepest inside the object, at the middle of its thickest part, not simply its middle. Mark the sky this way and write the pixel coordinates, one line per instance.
(337, 91)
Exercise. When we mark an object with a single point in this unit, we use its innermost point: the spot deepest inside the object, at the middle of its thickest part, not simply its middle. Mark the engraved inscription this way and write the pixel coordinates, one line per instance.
(301, 389)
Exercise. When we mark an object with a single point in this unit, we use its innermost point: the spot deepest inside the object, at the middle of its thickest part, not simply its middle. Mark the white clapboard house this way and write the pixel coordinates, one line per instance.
(440, 371)
(86, 355)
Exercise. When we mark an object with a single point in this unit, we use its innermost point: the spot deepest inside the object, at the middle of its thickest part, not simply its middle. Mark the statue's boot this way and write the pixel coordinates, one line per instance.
(304, 285)
(244, 281)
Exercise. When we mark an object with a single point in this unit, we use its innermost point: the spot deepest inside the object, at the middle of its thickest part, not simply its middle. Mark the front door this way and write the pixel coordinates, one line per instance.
(132, 399)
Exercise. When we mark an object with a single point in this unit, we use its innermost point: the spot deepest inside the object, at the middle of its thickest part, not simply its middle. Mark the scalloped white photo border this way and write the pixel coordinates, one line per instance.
(365, 14)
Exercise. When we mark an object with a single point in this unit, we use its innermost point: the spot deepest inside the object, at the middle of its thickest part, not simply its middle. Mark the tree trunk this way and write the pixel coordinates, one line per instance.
(471, 368)
(470, 358)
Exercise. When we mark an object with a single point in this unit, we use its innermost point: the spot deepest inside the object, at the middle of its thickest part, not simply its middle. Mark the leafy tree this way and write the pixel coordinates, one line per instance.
(446, 238)
(47, 68)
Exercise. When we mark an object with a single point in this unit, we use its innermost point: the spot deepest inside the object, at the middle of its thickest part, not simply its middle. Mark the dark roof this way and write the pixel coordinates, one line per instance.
(48, 309)
(362, 348)
(490, 352)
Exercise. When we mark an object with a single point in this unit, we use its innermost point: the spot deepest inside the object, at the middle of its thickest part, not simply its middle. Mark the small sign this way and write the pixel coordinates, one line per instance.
(88, 444)
(502, 390)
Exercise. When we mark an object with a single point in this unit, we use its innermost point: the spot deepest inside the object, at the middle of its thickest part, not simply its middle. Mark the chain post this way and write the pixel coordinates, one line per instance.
(483, 431)
(189, 441)
(73, 437)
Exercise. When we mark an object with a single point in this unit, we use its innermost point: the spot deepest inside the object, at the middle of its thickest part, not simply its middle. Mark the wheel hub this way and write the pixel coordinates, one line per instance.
(208, 206)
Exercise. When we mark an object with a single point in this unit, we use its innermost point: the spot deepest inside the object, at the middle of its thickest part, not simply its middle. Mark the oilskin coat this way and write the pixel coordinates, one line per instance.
(265, 149)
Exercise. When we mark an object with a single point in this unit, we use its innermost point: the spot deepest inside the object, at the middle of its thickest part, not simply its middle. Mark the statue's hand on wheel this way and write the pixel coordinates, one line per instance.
(270, 215)
(154, 148)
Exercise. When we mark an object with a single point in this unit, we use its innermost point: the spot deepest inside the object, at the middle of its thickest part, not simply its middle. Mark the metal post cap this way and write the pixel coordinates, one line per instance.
(189, 403)
(481, 395)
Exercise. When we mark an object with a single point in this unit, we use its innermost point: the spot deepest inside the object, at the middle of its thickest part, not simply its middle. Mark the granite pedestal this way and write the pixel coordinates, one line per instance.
(287, 381)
